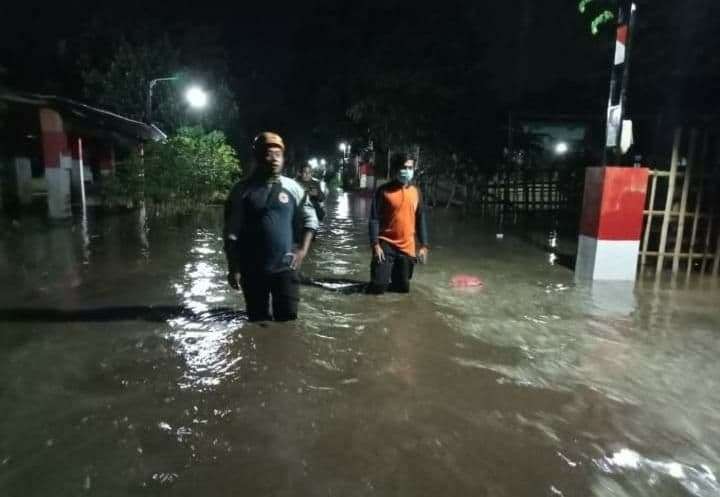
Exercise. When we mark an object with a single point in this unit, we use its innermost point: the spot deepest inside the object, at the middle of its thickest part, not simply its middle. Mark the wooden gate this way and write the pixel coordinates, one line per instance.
(682, 219)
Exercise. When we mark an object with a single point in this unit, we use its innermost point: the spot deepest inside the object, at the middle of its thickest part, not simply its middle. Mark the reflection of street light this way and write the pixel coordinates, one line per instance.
(343, 147)
(196, 97)
(313, 163)
(561, 148)
(322, 162)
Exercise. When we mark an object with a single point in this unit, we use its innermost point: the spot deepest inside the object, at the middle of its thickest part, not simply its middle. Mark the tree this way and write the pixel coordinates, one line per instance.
(192, 167)
(120, 83)
(601, 12)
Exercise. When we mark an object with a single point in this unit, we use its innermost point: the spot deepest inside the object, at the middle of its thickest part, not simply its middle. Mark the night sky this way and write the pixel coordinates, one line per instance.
(296, 66)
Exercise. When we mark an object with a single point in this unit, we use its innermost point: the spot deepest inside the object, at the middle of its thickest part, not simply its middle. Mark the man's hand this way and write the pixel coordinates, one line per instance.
(298, 258)
(422, 255)
(234, 280)
(378, 251)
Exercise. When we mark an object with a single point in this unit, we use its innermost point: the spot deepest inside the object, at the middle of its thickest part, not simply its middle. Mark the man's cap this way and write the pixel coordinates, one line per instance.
(268, 139)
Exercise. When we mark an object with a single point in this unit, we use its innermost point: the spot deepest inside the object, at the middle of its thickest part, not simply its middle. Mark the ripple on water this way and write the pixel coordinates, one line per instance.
(698, 480)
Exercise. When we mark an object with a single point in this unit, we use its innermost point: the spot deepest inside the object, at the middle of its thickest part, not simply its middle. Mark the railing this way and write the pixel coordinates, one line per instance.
(686, 203)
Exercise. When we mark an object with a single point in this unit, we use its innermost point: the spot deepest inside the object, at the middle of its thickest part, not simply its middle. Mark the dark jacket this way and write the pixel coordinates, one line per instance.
(263, 221)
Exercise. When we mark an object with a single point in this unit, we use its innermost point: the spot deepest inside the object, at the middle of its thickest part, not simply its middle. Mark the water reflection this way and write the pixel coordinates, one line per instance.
(531, 385)
(612, 298)
(342, 209)
(699, 481)
(206, 345)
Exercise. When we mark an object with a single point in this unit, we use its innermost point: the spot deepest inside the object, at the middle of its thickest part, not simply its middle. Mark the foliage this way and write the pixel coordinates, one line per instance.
(600, 17)
(421, 91)
(191, 166)
(120, 82)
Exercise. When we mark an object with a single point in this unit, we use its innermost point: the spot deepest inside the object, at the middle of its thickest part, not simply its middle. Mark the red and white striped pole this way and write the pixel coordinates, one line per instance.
(618, 95)
(614, 197)
(611, 223)
(55, 150)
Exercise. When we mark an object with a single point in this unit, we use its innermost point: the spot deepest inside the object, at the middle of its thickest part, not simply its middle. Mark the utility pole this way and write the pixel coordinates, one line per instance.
(618, 97)
(148, 102)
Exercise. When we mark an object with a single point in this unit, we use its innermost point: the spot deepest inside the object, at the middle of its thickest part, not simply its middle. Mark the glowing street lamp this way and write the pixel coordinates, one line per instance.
(561, 148)
(345, 149)
(196, 97)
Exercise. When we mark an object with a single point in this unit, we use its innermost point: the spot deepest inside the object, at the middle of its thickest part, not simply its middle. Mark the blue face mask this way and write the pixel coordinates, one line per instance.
(405, 176)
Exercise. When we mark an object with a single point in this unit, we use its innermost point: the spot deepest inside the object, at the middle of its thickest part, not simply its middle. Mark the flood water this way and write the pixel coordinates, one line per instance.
(127, 368)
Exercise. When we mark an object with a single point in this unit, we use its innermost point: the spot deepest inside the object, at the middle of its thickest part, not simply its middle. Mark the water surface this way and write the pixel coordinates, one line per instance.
(127, 368)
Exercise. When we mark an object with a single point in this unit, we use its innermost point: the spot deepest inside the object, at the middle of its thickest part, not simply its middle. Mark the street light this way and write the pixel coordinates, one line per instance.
(561, 148)
(345, 149)
(196, 96)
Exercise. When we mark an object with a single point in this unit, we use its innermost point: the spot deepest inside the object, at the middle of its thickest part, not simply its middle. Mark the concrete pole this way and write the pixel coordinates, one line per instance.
(55, 160)
(81, 169)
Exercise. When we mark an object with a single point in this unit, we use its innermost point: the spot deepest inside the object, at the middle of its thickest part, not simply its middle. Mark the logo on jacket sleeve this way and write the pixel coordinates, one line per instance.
(283, 197)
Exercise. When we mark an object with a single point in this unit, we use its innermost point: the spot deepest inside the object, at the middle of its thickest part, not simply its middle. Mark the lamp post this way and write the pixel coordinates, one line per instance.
(148, 103)
(345, 149)
(196, 96)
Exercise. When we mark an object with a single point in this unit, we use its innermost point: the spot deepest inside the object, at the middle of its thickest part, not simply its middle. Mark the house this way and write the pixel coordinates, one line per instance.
(57, 148)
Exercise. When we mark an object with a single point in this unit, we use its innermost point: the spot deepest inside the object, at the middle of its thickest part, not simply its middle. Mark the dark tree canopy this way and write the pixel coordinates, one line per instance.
(442, 74)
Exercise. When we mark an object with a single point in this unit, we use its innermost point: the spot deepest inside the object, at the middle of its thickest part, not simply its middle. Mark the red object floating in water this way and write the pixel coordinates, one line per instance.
(465, 281)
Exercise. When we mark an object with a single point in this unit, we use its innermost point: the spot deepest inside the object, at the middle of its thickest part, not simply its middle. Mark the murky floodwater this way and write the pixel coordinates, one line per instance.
(125, 370)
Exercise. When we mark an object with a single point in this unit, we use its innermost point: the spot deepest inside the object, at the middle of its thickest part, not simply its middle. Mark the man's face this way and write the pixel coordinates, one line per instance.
(306, 174)
(274, 160)
(406, 172)
(408, 165)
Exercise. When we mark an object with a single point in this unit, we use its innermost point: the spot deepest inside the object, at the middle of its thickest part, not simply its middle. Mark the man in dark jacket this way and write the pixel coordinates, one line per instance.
(314, 189)
(269, 225)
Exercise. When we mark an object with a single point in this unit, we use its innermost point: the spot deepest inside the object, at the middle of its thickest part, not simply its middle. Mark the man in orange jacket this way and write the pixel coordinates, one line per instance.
(397, 216)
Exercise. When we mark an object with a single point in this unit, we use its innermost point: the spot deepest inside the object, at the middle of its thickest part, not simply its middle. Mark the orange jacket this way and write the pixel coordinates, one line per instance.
(397, 215)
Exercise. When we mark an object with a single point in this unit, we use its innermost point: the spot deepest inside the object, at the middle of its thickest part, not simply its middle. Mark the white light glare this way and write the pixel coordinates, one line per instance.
(196, 97)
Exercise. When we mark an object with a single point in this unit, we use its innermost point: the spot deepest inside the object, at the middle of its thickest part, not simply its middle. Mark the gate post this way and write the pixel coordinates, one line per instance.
(57, 173)
(611, 223)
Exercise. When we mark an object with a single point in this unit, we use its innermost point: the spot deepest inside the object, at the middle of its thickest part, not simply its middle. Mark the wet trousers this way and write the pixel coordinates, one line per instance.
(259, 287)
(393, 274)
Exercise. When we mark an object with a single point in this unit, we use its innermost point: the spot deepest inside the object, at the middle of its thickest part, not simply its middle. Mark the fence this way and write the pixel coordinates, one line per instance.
(682, 220)
(516, 192)
(523, 193)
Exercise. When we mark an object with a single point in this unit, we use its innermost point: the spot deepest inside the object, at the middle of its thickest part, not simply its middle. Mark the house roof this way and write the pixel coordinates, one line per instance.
(87, 115)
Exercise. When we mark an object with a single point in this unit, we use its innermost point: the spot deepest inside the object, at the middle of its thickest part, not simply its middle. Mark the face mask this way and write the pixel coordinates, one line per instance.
(405, 176)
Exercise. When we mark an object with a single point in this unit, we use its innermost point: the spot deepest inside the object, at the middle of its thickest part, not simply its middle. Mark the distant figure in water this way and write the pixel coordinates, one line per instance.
(315, 190)
(397, 216)
(465, 281)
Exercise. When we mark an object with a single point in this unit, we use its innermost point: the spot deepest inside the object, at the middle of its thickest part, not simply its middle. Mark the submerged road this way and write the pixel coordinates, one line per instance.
(127, 368)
